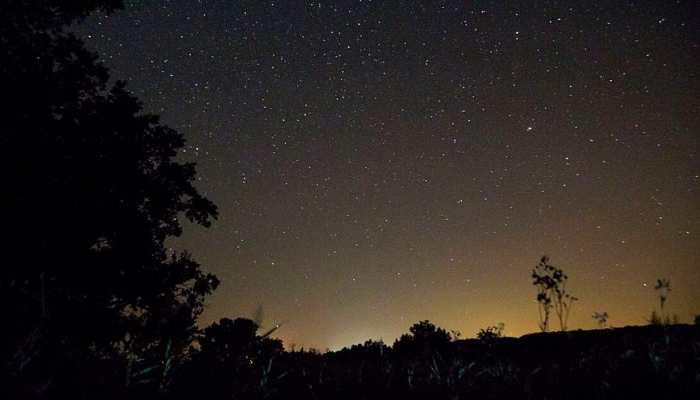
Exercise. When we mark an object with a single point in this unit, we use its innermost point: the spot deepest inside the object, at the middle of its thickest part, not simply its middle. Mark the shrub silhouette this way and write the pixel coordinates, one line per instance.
(491, 333)
(601, 318)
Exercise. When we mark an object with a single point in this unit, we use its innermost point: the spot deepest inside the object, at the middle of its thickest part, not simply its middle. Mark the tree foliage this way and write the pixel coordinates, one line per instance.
(93, 189)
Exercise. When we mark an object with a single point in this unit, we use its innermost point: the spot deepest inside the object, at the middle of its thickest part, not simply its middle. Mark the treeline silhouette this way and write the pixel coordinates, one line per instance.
(96, 306)
(634, 362)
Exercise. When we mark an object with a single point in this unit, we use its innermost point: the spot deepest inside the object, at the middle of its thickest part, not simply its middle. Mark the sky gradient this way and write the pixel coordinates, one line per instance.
(379, 163)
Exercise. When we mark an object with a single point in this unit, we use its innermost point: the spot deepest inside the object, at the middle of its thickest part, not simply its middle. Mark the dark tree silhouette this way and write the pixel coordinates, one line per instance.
(92, 189)
(550, 282)
(233, 360)
(229, 338)
(424, 339)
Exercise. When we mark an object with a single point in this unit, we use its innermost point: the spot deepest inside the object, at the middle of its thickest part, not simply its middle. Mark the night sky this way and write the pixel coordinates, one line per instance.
(376, 163)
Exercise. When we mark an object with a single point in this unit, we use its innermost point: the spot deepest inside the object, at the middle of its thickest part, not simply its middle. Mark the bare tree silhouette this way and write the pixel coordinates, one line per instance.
(552, 293)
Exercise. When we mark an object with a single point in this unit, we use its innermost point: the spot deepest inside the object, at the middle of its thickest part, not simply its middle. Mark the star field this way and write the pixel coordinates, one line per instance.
(376, 163)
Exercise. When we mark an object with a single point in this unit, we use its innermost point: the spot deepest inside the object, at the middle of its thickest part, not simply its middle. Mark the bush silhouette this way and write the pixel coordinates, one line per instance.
(601, 318)
(491, 333)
